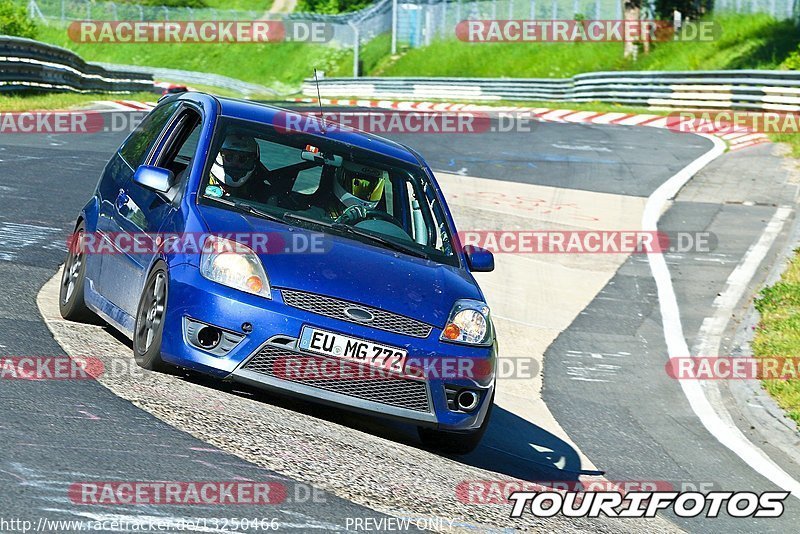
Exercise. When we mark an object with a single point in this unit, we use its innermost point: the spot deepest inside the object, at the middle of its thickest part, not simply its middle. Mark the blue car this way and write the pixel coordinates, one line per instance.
(263, 246)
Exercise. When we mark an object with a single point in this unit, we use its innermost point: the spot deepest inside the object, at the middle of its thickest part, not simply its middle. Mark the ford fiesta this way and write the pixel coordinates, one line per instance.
(313, 261)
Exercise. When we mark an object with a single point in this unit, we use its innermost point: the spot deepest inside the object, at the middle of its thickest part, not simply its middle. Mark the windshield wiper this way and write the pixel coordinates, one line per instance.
(352, 230)
(386, 242)
(309, 220)
(247, 208)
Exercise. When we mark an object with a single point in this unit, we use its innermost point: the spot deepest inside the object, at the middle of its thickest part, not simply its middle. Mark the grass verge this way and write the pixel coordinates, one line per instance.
(281, 66)
(49, 101)
(754, 41)
(778, 333)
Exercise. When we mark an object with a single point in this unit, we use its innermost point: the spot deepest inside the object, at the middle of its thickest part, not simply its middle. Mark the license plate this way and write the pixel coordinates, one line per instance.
(351, 349)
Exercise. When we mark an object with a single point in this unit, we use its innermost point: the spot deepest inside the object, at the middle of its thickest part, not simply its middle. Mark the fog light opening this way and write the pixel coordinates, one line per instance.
(209, 337)
(468, 400)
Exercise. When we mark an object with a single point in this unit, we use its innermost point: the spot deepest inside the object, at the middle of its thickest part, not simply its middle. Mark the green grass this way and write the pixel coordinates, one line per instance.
(748, 41)
(280, 65)
(240, 5)
(49, 101)
(793, 140)
(778, 333)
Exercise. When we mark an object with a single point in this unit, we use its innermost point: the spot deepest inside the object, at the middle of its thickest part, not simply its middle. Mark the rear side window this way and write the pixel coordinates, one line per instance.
(135, 148)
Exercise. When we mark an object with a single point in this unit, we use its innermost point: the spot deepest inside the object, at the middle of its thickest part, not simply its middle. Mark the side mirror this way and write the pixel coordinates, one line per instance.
(479, 259)
(156, 179)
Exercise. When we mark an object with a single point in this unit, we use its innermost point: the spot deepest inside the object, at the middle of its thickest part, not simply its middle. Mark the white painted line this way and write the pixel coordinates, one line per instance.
(710, 336)
(726, 433)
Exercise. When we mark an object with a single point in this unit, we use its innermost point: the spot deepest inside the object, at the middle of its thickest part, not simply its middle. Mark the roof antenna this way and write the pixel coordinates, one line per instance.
(319, 103)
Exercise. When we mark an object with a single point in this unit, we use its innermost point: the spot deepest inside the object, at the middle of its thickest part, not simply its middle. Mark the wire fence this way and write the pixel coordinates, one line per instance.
(418, 22)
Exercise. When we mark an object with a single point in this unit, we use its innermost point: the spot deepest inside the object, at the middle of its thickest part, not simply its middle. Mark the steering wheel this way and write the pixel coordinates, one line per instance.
(356, 214)
(383, 216)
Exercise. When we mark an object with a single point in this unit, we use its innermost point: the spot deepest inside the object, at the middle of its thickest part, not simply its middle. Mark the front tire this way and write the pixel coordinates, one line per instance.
(71, 302)
(455, 442)
(150, 315)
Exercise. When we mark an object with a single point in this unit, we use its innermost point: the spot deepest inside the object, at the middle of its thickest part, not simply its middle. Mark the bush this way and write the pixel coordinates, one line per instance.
(14, 20)
(330, 6)
(168, 3)
(792, 62)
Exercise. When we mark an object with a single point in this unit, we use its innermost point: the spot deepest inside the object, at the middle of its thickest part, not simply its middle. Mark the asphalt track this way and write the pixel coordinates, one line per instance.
(633, 422)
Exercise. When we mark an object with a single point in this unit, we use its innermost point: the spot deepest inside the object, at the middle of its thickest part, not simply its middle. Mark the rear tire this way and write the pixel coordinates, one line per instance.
(71, 302)
(455, 442)
(150, 314)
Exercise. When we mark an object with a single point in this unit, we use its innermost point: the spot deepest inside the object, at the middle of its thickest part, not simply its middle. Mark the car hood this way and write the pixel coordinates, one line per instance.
(353, 270)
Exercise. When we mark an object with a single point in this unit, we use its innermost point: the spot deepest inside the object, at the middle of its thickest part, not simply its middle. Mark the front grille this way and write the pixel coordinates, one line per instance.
(331, 307)
(393, 391)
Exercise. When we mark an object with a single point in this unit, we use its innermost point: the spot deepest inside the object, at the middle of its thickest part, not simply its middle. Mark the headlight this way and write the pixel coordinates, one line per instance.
(468, 323)
(234, 265)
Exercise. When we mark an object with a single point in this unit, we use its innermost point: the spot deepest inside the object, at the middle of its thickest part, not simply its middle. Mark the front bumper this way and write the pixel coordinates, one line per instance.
(276, 328)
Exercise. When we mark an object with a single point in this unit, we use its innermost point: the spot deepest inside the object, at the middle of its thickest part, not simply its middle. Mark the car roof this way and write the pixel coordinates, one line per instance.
(261, 112)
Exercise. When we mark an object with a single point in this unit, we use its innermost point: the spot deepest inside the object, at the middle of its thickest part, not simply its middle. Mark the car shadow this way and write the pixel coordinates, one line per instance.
(518, 448)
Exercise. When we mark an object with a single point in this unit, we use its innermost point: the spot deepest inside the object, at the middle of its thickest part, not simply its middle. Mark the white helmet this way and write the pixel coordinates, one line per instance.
(237, 160)
(359, 185)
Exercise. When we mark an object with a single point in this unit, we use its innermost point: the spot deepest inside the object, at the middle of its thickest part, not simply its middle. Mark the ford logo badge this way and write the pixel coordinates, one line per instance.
(359, 314)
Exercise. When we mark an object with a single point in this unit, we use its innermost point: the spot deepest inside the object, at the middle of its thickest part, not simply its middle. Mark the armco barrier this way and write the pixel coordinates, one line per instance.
(26, 64)
(737, 89)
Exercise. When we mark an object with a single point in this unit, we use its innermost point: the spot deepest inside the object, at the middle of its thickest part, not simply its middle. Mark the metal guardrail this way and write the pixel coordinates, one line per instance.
(735, 89)
(247, 89)
(26, 64)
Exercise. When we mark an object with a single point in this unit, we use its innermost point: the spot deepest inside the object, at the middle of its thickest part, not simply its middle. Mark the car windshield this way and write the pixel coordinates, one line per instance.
(304, 179)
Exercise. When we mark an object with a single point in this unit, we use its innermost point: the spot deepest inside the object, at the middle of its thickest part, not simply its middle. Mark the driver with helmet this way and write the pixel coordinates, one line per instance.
(237, 170)
(357, 190)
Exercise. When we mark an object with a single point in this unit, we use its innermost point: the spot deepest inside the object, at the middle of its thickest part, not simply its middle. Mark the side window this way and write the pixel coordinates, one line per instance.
(181, 144)
(135, 148)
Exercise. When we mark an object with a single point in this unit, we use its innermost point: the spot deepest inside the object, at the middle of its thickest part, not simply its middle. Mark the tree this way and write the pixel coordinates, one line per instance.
(14, 20)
